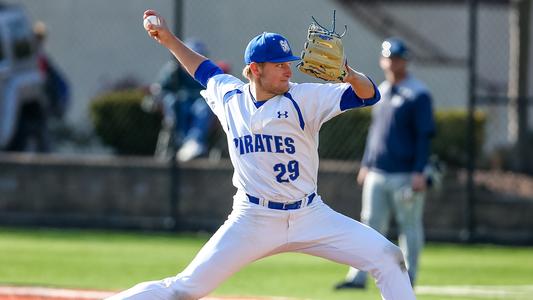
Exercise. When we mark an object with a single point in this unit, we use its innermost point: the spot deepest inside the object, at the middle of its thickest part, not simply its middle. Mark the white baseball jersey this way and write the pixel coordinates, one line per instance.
(273, 147)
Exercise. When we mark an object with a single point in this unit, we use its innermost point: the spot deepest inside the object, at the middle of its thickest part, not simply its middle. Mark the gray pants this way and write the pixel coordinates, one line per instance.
(390, 195)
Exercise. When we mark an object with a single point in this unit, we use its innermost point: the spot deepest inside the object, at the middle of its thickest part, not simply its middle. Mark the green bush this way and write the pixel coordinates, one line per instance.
(344, 137)
(120, 122)
(450, 142)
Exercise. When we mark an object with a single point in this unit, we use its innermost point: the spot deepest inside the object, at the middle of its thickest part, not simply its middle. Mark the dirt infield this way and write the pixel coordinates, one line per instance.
(39, 293)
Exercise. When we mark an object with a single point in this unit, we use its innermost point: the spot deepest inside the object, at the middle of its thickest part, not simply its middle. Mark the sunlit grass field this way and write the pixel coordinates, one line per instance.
(117, 260)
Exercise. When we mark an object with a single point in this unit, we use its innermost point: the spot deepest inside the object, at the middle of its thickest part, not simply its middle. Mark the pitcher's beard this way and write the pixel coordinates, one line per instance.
(272, 89)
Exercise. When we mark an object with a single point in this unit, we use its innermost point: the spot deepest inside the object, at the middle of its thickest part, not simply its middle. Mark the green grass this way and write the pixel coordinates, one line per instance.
(117, 260)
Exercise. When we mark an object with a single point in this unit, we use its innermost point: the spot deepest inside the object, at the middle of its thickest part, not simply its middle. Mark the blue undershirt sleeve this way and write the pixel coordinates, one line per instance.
(350, 99)
(205, 71)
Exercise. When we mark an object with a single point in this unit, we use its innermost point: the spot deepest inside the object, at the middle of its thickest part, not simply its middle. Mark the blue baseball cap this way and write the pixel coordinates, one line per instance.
(268, 47)
(394, 47)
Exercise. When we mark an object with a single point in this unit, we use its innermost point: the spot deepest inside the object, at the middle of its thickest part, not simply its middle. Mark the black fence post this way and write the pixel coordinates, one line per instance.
(519, 22)
(470, 224)
(174, 191)
(173, 161)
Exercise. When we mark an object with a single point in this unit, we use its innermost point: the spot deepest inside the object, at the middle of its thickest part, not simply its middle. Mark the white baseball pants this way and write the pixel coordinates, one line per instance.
(252, 232)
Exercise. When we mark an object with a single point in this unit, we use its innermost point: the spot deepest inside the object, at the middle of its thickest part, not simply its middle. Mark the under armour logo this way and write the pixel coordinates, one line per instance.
(284, 114)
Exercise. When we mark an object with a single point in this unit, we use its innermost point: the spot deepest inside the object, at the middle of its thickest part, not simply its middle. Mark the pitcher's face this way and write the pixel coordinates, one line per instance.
(274, 77)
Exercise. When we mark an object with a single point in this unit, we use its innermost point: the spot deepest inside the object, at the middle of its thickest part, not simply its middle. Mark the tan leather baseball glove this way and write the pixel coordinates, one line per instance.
(323, 54)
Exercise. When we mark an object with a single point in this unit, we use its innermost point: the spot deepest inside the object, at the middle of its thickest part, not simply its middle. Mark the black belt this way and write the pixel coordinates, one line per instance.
(283, 206)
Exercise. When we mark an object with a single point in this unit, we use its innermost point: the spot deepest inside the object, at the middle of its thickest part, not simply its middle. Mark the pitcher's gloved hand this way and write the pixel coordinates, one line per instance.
(323, 54)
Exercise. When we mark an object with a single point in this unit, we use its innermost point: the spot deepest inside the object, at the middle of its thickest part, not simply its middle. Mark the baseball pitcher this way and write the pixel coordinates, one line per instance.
(272, 127)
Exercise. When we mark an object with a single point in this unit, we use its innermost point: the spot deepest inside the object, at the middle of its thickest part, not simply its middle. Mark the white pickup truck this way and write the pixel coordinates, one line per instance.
(23, 102)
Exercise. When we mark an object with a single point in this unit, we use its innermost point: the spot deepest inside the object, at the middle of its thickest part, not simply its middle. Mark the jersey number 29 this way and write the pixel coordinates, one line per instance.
(288, 172)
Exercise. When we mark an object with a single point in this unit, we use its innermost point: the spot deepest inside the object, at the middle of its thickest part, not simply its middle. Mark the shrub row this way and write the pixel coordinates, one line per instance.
(121, 123)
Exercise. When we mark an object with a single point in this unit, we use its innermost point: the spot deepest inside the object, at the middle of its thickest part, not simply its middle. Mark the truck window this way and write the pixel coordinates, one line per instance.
(21, 36)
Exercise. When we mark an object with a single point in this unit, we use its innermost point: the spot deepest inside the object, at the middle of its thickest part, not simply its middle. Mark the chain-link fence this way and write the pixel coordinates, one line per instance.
(503, 67)
(119, 105)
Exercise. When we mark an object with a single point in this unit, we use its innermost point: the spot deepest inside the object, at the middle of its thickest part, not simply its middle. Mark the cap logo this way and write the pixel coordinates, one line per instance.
(285, 46)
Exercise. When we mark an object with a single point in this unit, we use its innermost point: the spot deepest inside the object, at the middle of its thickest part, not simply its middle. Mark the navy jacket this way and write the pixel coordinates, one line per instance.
(401, 129)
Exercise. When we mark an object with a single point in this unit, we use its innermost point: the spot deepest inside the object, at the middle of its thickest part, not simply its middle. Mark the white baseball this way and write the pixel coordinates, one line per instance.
(151, 20)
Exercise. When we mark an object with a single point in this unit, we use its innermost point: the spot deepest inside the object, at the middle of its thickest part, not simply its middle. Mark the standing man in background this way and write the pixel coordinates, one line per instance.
(57, 87)
(396, 154)
(272, 128)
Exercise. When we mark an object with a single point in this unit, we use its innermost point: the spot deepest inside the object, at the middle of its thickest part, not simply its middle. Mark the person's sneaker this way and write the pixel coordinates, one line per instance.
(190, 150)
(349, 285)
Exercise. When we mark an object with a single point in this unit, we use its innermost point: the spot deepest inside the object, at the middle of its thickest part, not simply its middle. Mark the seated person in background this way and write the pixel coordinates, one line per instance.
(186, 110)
